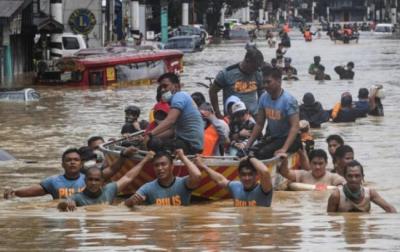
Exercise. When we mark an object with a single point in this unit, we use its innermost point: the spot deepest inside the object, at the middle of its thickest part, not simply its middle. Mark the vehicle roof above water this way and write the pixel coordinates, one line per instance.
(384, 25)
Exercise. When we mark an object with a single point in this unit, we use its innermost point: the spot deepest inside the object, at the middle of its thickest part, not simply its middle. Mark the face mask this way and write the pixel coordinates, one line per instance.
(167, 96)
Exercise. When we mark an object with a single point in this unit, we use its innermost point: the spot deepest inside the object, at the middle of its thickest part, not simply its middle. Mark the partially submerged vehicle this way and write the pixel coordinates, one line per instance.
(114, 66)
(226, 165)
(186, 44)
(345, 38)
(384, 29)
(19, 95)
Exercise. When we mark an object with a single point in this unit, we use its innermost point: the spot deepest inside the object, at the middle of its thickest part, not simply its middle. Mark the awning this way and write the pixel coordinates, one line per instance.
(9, 7)
(49, 25)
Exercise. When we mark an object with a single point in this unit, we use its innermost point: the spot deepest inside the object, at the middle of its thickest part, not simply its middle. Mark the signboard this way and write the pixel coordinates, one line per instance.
(110, 74)
(82, 21)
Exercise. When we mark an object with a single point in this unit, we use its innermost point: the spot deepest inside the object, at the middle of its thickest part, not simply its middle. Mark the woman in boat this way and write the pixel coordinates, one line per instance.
(353, 196)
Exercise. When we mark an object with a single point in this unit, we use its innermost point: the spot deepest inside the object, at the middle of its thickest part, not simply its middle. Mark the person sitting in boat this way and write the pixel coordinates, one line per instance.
(353, 196)
(280, 52)
(321, 75)
(246, 192)
(96, 192)
(167, 189)
(243, 80)
(58, 186)
(282, 112)
(314, 67)
(334, 141)
(312, 111)
(343, 155)
(345, 73)
(198, 98)
(184, 122)
(160, 112)
(307, 138)
(344, 111)
(318, 175)
(376, 106)
(216, 131)
(240, 128)
(131, 125)
(288, 71)
(228, 108)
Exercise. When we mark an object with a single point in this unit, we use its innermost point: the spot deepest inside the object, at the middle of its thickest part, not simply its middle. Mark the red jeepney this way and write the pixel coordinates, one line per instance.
(115, 66)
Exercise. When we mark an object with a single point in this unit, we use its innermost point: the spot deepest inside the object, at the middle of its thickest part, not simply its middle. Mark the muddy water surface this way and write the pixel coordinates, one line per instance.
(297, 220)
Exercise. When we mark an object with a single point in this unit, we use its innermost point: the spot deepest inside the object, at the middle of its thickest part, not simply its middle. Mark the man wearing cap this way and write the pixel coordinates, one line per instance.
(289, 71)
(345, 73)
(184, 122)
(243, 80)
(280, 109)
(313, 68)
(312, 111)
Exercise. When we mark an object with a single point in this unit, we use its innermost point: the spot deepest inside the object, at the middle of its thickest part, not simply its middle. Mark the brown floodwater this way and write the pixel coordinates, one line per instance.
(66, 117)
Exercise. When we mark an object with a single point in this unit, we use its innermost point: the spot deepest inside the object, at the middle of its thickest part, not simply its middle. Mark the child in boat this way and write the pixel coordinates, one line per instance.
(160, 112)
(241, 127)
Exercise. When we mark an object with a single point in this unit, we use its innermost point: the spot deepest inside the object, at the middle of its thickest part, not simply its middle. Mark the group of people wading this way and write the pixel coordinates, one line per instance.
(184, 125)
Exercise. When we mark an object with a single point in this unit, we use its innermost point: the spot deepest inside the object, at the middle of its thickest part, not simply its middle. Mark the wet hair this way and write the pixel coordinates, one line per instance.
(246, 164)
(198, 98)
(342, 150)
(317, 58)
(318, 153)
(363, 93)
(161, 154)
(94, 139)
(336, 138)
(275, 74)
(86, 154)
(350, 64)
(68, 151)
(266, 69)
(171, 76)
(91, 169)
(255, 55)
(353, 163)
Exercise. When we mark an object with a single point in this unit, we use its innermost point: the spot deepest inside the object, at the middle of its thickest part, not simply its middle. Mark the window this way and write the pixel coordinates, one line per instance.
(96, 78)
(70, 43)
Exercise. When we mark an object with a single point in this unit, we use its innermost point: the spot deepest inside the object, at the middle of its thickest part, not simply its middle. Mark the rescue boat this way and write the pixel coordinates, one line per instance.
(208, 189)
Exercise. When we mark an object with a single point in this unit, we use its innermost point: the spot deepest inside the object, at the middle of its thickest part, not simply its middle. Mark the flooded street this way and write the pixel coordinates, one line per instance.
(66, 117)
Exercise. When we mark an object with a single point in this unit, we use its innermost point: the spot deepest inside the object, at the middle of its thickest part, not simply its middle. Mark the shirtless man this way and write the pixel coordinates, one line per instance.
(318, 175)
(353, 197)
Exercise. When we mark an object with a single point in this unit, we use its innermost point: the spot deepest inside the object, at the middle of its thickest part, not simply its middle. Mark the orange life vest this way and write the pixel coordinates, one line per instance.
(307, 36)
(335, 110)
(210, 140)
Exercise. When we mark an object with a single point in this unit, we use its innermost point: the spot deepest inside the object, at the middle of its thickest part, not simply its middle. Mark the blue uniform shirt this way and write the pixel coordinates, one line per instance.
(278, 112)
(108, 194)
(176, 194)
(60, 187)
(255, 197)
(245, 86)
(189, 125)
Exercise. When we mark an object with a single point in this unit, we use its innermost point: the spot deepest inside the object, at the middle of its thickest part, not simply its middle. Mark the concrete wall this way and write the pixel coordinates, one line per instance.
(69, 6)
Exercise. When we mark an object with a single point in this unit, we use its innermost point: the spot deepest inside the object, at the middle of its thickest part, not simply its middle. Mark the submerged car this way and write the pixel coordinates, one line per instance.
(19, 95)
(383, 29)
(186, 44)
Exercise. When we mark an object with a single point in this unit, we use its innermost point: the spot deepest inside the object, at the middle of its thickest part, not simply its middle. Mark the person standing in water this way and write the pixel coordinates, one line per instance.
(353, 196)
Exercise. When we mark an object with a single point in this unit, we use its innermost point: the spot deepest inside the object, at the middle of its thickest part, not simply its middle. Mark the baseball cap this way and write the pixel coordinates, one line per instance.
(162, 106)
(238, 106)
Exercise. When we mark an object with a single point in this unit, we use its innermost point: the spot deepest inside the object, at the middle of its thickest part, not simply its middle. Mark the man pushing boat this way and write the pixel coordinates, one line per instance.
(247, 191)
